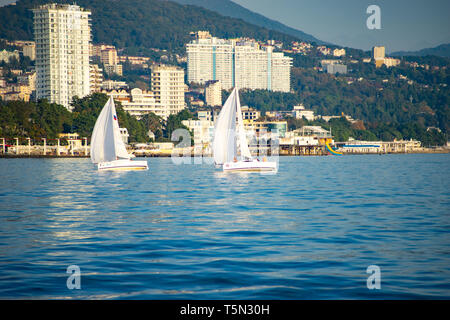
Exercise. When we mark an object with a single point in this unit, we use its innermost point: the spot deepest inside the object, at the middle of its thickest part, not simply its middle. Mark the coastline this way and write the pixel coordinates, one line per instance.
(166, 155)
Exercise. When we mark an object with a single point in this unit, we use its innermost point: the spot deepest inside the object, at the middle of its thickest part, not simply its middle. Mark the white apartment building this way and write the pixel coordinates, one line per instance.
(238, 63)
(137, 102)
(213, 93)
(299, 112)
(62, 35)
(167, 83)
(113, 85)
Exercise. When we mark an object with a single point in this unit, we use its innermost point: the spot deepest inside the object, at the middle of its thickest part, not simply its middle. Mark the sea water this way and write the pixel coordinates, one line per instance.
(189, 231)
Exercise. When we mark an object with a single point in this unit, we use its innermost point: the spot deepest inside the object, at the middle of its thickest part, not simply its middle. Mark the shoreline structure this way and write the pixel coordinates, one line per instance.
(79, 148)
(180, 153)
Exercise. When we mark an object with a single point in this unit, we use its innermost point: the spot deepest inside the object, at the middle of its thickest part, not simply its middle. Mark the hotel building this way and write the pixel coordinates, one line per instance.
(62, 35)
(237, 63)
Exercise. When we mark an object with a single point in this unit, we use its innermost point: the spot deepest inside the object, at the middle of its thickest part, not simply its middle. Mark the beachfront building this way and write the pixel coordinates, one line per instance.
(238, 63)
(397, 146)
(203, 135)
(167, 83)
(62, 35)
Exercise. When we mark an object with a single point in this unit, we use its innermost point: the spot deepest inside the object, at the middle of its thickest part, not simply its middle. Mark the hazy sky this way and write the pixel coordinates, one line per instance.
(405, 24)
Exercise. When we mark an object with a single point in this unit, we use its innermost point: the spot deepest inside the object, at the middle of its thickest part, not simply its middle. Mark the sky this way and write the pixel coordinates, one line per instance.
(405, 24)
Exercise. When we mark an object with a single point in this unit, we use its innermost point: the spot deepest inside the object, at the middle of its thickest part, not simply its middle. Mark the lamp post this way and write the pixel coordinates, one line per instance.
(29, 145)
(45, 146)
(85, 146)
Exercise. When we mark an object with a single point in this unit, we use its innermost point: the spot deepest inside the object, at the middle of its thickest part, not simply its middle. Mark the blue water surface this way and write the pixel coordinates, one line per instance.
(192, 232)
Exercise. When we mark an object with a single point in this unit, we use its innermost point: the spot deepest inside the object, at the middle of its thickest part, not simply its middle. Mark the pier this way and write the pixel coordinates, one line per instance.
(303, 150)
(27, 147)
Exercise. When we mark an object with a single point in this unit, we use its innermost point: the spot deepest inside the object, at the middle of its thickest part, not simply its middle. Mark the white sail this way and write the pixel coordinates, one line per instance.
(224, 143)
(245, 151)
(106, 142)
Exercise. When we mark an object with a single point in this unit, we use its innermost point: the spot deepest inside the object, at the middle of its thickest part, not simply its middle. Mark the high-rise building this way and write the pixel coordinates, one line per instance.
(378, 56)
(213, 93)
(378, 53)
(167, 83)
(237, 63)
(62, 35)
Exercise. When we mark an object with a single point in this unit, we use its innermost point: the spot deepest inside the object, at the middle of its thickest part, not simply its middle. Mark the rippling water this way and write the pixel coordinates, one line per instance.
(192, 232)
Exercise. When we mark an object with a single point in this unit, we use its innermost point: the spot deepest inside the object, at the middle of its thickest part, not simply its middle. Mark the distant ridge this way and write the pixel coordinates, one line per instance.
(232, 9)
(442, 50)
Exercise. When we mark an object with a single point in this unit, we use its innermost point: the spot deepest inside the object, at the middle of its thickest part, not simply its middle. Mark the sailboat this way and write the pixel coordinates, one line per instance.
(107, 147)
(228, 134)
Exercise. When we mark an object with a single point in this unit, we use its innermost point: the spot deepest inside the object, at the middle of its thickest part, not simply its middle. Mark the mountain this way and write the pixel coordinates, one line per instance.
(139, 23)
(442, 50)
(231, 9)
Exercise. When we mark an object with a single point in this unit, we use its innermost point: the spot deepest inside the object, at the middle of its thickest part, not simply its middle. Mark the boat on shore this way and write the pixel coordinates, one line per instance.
(108, 150)
(230, 137)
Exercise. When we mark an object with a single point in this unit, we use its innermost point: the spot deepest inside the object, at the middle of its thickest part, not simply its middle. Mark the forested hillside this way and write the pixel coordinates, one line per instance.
(139, 23)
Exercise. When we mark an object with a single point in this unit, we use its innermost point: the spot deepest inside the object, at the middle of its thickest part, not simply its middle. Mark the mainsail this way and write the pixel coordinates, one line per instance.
(224, 143)
(106, 142)
(245, 151)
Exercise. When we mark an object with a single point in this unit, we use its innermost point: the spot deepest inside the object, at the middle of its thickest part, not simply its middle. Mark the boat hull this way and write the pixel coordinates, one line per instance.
(122, 165)
(250, 166)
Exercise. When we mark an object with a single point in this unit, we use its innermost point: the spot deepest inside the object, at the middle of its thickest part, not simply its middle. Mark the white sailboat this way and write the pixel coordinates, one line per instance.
(225, 143)
(107, 147)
